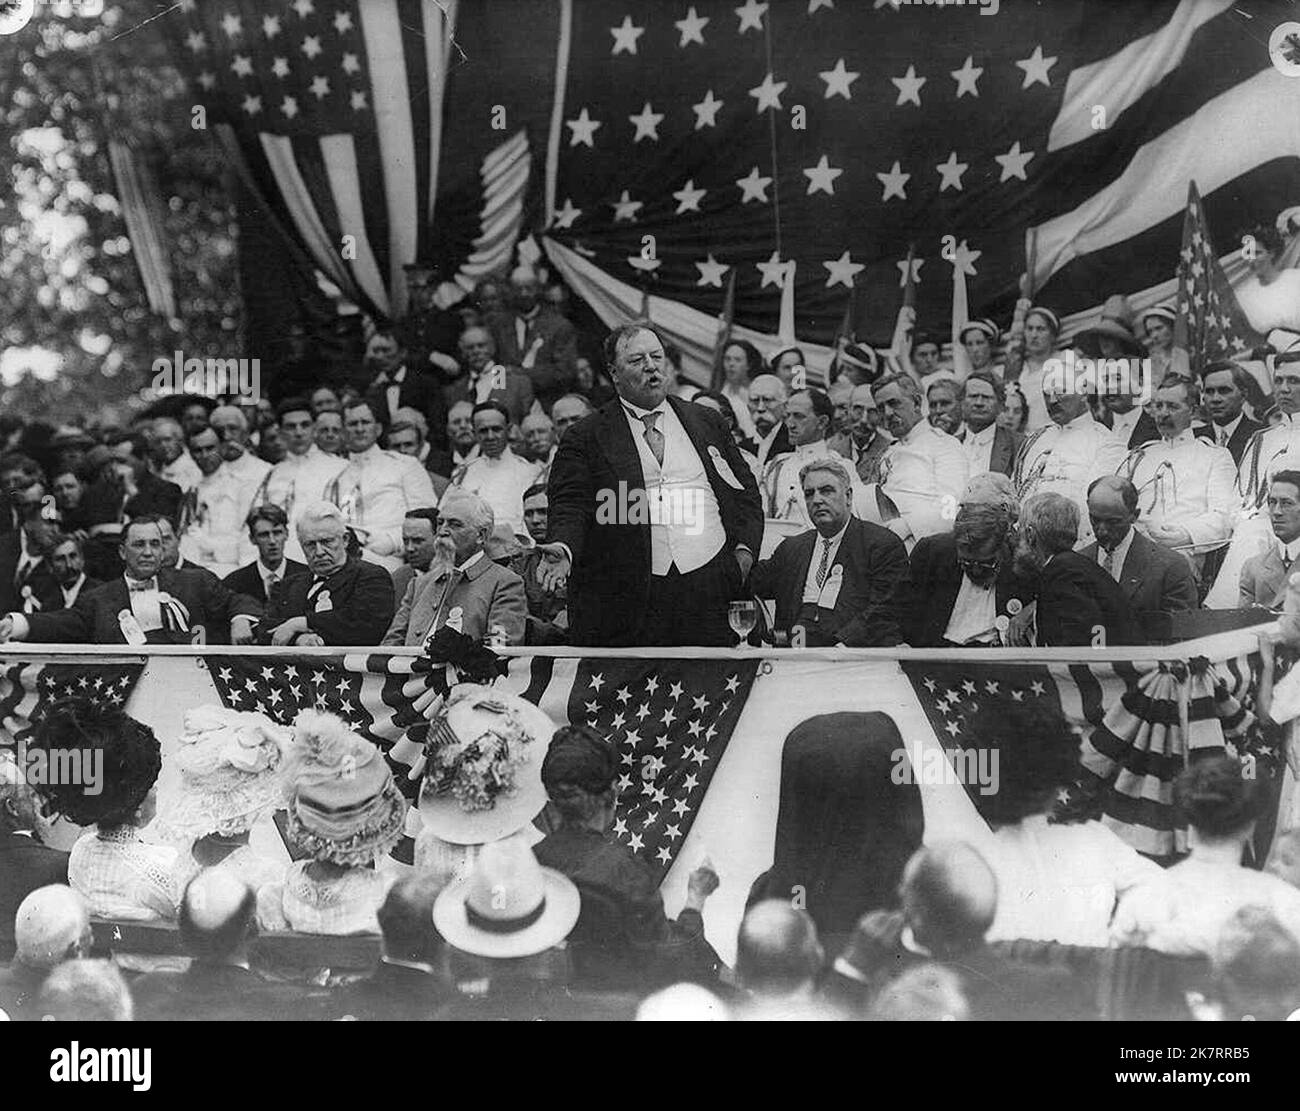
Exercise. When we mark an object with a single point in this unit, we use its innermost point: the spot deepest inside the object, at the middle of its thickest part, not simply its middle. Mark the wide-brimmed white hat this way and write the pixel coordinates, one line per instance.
(483, 775)
(509, 905)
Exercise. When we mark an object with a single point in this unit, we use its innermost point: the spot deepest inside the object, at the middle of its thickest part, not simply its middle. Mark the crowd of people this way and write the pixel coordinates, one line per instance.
(506, 490)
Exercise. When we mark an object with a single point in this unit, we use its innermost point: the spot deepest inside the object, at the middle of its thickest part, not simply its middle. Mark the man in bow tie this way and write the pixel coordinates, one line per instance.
(463, 589)
(397, 385)
(485, 379)
(148, 604)
(344, 601)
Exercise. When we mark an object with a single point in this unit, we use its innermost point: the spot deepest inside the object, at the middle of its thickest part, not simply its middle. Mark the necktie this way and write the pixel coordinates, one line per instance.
(1286, 562)
(1108, 562)
(654, 437)
(1223, 437)
(823, 567)
(142, 584)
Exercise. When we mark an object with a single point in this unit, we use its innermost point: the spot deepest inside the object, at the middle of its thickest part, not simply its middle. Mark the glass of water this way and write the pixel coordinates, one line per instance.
(742, 617)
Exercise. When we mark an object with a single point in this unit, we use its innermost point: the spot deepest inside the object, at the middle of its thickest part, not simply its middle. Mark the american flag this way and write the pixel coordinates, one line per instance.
(28, 686)
(671, 721)
(330, 111)
(1210, 324)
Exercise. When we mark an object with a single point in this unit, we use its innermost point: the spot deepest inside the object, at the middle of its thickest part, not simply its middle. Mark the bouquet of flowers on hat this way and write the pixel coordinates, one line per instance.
(229, 763)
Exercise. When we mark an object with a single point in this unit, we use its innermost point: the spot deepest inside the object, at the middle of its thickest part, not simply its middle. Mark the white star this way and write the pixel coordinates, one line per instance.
(270, 26)
(643, 711)
(343, 22)
(992, 686)
(195, 41)
(320, 87)
(304, 8)
(692, 28)
(894, 183)
(663, 855)
(821, 177)
(565, 216)
(706, 112)
(711, 271)
(252, 105)
(838, 81)
(755, 187)
(620, 828)
(593, 707)
(584, 129)
(773, 271)
(208, 79)
(647, 124)
(625, 208)
(688, 198)
(1013, 163)
(668, 718)
(242, 65)
(663, 742)
(929, 684)
(701, 704)
(814, 5)
(953, 728)
(351, 64)
(917, 263)
(358, 101)
(311, 46)
(625, 36)
(623, 693)
(289, 107)
(635, 843)
(280, 67)
(675, 691)
(232, 25)
(695, 729)
(628, 758)
(843, 271)
(1018, 696)
(768, 93)
(296, 691)
(909, 87)
(965, 257)
(952, 171)
(681, 806)
(597, 681)
(689, 783)
(633, 737)
(1037, 687)
(733, 683)
(1036, 67)
(968, 687)
(966, 78)
(751, 16)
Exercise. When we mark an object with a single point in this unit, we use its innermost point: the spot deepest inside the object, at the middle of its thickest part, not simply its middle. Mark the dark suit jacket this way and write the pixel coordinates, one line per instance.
(516, 395)
(418, 391)
(52, 596)
(935, 583)
(222, 993)
(780, 445)
(40, 579)
(556, 366)
(1154, 578)
(609, 583)
(93, 619)
(868, 610)
(1240, 437)
(1005, 446)
(248, 580)
(103, 502)
(25, 865)
(1079, 604)
(393, 993)
(1144, 431)
(361, 605)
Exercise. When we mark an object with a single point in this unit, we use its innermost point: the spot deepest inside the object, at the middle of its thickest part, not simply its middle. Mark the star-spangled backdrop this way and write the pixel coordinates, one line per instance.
(615, 120)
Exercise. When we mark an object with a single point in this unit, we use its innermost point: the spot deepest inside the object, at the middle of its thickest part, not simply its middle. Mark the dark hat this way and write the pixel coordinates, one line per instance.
(581, 757)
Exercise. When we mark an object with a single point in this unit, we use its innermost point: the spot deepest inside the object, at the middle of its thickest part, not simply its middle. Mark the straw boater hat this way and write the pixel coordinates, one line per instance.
(1163, 311)
(1117, 323)
(983, 325)
(509, 906)
(230, 765)
(483, 775)
(343, 804)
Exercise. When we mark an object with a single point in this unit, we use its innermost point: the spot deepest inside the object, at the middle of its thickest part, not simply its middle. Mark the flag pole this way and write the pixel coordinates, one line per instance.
(724, 330)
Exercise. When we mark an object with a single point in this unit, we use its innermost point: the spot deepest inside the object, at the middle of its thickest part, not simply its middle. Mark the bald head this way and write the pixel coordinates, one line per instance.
(777, 951)
(52, 925)
(567, 411)
(949, 896)
(216, 916)
(1112, 509)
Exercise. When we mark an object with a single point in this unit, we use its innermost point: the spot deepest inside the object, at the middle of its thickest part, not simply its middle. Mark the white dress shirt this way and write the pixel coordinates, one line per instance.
(501, 483)
(1119, 556)
(393, 391)
(685, 520)
(924, 474)
(183, 471)
(216, 539)
(71, 593)
(1223, 432)
(374, 491)
(1122, 424)
(1185, 483)
(979, 448)
(811, 591)
(271, 575)
(1065, 459)
(973, 613)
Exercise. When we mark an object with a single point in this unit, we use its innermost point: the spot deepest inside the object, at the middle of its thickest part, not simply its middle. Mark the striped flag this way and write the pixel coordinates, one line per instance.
(28, 686)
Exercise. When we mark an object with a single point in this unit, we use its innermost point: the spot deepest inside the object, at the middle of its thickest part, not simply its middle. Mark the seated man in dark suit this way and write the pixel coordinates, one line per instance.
(1264, 577)
(962, 582)
(25, 576)
(343, 601)
(485, 379)
(398, 383)
(149, 604)
(408, 985)
(843, 581)
(268, 529)
(949, 897)
(1154, 578)
(463, 589)
(130, 489)
(25, 862)
(1078, 603)
(218, 923)
(67, 562)
(1225, 387)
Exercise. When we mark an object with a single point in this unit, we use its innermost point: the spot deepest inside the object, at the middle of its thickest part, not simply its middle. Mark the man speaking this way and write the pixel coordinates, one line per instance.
(653, 511)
